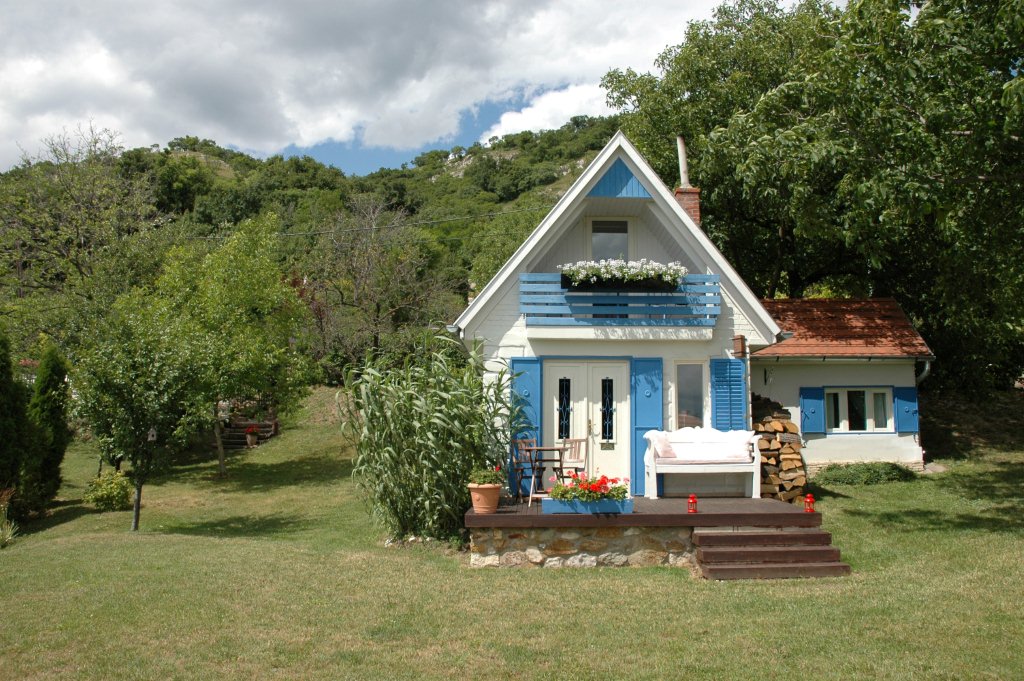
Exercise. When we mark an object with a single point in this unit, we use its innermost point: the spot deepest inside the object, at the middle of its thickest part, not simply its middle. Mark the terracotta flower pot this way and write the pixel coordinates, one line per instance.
(485, 498)
(252, 439)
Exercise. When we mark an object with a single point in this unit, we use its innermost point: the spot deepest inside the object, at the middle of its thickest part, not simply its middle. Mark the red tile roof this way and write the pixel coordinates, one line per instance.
(844, 328)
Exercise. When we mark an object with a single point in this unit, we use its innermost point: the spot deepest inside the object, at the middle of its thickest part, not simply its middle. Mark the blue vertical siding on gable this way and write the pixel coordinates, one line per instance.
(905, 410)
(647, 413)
(812, 410)
(526, 392)
(619, 183)
(728, 394)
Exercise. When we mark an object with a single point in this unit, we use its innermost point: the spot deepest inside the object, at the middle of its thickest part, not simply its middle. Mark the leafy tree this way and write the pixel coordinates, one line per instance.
(899, 143)
(500, 237)
(180, 179)
(722, 69)
(373, 277)
(48, 410)
(76, 232)
(246, 317)
(723, 66)
(141, 383)
(873, 150)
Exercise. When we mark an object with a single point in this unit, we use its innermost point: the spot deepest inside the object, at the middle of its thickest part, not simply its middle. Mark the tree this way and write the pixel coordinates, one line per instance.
(373, 276)
(76, 232)
(48, 410)
(873, 150)
(180, 179)
(141, 385)
(247, 318)
(12, 419)
(22, 447)
(899, 143)
(722, 69)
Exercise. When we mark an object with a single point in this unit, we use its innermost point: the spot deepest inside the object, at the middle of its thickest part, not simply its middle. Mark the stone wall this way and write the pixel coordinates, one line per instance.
(582, 547)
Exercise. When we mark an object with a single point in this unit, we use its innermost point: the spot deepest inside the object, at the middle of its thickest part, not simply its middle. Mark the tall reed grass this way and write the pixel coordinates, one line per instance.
(419, 429)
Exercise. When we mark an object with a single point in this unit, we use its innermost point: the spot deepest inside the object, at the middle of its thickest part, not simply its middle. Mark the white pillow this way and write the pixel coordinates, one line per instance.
(662, 447)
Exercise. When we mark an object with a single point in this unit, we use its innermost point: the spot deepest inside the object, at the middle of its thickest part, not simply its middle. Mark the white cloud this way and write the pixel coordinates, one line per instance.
(262, 75)
(552, 110)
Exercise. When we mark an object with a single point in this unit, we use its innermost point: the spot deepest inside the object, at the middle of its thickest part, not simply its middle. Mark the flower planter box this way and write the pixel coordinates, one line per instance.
(548, 505)
(620, 286)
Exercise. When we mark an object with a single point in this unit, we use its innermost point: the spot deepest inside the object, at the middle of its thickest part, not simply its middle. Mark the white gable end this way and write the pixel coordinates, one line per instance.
(618, 186)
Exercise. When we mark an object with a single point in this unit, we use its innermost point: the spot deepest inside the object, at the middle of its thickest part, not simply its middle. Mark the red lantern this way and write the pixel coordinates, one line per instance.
(691, 504)
(809, 503)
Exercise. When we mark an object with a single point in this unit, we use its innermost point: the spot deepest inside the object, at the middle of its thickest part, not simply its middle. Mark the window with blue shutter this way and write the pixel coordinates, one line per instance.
(812, 410)
(905, 410)
(728, 394)
(647, 406)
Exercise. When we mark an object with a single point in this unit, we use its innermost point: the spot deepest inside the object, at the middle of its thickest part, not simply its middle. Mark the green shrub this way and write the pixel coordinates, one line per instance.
(419, 430)
(111, 491)
(868, 473)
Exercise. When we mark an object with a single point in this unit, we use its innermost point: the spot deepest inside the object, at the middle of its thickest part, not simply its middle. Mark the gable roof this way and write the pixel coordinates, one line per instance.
(875, 328)
(620, 170)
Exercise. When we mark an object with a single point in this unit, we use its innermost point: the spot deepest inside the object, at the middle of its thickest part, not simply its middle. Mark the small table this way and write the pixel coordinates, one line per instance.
(539, 462)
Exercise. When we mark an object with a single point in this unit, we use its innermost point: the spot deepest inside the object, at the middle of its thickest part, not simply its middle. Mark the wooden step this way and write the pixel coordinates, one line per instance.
(767, 554)
(795, 537)
(774, 570)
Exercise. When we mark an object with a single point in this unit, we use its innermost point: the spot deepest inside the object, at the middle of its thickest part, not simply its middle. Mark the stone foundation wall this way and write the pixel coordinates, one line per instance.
(582, 547)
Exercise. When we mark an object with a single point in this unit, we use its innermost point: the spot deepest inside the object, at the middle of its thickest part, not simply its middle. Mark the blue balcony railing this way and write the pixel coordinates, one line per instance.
(545, 302)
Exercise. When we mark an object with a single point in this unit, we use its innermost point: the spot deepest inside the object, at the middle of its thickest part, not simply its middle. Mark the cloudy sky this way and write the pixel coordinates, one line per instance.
(357, 83)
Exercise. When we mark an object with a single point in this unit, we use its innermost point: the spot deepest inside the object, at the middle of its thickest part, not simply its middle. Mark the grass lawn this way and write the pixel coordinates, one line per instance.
(278, 573)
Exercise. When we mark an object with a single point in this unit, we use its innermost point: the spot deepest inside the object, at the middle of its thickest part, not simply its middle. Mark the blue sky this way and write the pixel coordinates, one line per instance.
(356, 159)
(359, 84)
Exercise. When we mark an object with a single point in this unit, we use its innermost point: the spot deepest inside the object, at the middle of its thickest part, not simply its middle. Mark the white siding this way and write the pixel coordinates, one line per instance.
(781, 381)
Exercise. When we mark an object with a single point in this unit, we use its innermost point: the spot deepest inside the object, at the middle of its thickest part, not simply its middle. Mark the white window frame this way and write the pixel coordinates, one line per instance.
(588, 247)
(869, 409)
(705, 368)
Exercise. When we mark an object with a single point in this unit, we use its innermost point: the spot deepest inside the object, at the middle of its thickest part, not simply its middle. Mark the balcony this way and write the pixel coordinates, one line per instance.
(694, 307)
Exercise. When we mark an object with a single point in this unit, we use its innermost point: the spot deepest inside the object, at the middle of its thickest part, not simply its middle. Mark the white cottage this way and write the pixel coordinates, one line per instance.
(611, 365)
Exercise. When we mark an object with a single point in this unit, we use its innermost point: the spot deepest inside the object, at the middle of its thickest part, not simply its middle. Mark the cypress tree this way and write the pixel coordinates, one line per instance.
(48, 410)
(12, 419)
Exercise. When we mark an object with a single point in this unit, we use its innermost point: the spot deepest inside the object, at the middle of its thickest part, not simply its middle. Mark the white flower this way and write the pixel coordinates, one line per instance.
(620, 270)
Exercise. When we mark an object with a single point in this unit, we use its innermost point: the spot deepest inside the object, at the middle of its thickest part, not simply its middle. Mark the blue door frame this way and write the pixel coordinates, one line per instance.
(646, 401)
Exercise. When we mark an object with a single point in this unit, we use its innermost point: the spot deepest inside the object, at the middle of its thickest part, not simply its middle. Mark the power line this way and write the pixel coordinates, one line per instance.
(404, 224)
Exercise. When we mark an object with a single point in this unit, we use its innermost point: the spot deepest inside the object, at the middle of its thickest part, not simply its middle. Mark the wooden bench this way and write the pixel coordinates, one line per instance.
(701, 450)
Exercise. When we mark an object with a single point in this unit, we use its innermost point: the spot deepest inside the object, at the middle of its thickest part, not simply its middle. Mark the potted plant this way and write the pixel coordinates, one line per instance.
(485, 489)
(252, 435)
(586, 494)
(622, 275)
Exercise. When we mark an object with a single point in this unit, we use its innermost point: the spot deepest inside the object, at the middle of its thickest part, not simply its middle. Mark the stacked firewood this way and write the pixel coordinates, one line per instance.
(783, 475)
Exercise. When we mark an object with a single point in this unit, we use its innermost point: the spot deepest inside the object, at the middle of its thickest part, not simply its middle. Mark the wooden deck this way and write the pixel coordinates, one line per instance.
(712, 512)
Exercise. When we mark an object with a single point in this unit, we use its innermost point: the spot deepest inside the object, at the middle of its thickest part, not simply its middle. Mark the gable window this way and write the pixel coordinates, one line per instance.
(609, 240)
(858, 410)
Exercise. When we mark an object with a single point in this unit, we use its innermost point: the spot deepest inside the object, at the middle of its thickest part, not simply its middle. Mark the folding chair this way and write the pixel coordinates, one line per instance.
(522, 465)
(575, 456)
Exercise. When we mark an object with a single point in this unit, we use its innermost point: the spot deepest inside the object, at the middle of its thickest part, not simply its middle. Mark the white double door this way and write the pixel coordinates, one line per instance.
(590, 399)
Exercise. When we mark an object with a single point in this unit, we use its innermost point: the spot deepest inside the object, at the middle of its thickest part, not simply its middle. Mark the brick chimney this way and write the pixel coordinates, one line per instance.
(687, 196)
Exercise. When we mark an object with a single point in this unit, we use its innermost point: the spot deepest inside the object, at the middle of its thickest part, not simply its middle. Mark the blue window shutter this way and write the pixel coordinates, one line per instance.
(812, 410)
(905, 410)
(728, 394)
(647, 406)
